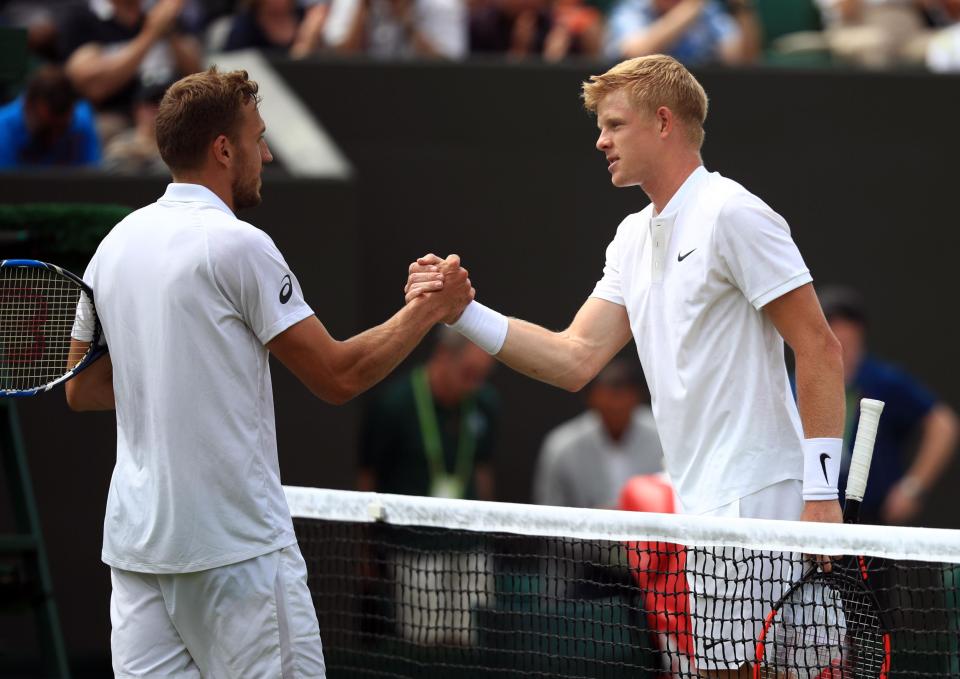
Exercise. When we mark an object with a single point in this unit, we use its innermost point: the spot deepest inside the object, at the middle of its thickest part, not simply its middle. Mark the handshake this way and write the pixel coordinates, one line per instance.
(440, 284)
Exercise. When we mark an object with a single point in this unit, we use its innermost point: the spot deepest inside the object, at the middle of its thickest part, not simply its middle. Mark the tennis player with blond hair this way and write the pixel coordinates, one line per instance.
(206, 573)
(709, 283)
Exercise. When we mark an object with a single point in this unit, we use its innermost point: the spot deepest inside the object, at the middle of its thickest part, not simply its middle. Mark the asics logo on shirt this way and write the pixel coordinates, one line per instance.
(286, 289)
(680, 257)
(823, 463)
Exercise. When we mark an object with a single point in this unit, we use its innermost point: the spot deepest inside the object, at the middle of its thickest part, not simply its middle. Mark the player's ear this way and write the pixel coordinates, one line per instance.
(664, 120)
(222, 150)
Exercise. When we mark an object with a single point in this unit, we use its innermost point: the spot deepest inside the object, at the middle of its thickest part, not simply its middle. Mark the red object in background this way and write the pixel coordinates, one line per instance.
(659, 569)
(28, 310)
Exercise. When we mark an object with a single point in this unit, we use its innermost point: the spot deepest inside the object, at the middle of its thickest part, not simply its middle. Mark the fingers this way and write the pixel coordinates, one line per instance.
(429, 279)
(429, 259)
(417, 289)
(823, 562)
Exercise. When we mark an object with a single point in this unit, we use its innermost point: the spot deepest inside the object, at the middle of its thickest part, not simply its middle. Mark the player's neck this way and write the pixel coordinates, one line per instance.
(221, 187)
(668, 180)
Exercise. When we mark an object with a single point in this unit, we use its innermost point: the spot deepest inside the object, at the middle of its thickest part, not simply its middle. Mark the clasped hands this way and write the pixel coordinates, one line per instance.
(442, 283)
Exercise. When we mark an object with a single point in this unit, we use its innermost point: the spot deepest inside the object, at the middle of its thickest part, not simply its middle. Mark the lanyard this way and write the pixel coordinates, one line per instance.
(430, 430)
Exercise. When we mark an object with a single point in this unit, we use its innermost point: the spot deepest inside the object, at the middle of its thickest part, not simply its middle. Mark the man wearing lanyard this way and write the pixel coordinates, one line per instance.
(431, 432)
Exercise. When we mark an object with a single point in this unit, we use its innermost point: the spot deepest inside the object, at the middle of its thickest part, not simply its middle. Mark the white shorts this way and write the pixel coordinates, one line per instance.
(732, 589)
(249, 619)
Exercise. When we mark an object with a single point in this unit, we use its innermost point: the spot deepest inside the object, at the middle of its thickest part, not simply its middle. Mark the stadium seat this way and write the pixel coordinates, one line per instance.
(792, 33)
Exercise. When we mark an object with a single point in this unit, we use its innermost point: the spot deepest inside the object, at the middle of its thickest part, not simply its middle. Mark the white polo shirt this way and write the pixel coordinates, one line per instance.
(694, 280)
(188, 296)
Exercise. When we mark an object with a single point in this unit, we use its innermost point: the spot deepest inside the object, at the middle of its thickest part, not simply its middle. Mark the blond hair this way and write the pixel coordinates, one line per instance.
(654, 81)
(196, 110)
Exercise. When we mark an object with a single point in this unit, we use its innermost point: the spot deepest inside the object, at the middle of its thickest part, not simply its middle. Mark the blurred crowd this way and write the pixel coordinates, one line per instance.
(99, 67)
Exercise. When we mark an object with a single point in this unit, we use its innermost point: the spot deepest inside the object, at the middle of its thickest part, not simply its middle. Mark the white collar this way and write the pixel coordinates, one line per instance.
(676, 202)
(194, 193)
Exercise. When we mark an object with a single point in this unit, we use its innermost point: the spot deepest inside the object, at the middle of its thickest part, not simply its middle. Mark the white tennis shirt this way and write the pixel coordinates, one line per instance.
(188, 296)
(694, 280)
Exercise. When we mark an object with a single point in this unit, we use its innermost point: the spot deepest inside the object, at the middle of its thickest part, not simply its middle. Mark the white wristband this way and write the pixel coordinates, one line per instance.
(483, 326)
(821, 468)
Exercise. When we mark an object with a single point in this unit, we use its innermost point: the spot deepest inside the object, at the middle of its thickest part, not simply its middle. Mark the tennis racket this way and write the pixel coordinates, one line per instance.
(38, 308)
(829, 625)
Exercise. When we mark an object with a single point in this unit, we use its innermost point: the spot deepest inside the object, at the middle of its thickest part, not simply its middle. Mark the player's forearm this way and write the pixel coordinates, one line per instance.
(92, 389)
(556, 358)
(367, 358)
(937, 446)
(820, 390)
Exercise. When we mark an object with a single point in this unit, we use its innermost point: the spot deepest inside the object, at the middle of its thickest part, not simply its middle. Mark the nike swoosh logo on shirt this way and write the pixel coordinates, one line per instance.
(680, 257)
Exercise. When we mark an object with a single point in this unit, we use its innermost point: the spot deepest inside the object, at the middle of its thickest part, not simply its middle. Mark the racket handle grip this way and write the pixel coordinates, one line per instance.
(870, 410)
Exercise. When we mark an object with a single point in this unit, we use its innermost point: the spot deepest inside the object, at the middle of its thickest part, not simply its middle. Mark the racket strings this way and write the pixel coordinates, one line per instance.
(37, 311)
(826, 632)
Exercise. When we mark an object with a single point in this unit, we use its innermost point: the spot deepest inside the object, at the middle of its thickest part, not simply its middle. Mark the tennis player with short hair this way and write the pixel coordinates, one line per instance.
(207, 576)
(709, 283)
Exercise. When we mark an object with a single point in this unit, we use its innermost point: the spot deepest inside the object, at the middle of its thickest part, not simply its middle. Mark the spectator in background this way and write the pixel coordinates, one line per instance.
(943, 50)
(894, 495)
(586, 461)
(47, 125)
(693, 32)
(432, 431)
(115, 46)
(280, 26)
(535, 28)
(398, 29)
(876, 33)
(134, 151)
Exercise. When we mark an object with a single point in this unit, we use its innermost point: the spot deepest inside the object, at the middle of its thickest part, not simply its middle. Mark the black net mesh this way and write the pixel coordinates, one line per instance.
(396, 601)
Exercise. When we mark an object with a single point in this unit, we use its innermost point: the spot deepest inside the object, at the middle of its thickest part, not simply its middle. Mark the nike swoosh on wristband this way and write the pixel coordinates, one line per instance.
(680, 257)
(823, 463)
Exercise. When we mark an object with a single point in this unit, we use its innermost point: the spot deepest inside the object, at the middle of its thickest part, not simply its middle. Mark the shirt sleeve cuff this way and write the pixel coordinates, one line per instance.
(792, 284)
(282, 324)
(608, 296)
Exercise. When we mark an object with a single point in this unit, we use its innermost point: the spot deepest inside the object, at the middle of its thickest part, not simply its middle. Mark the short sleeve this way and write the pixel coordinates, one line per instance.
(755, 246)
(608, 287)
(85, 320)
(254, 276)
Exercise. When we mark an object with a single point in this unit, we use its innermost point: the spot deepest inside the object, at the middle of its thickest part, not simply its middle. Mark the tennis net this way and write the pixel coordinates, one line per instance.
(424, 587)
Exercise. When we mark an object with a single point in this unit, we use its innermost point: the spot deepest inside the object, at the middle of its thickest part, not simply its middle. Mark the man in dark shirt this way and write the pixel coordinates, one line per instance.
(113, 47)
(431, 432)
(894, 493)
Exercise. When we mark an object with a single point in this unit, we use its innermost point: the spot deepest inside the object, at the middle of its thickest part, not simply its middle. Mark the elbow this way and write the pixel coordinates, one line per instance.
(833, 351)
(74, 400)
(337, 392)
(578, 379)
(574, 383)
(822, 348)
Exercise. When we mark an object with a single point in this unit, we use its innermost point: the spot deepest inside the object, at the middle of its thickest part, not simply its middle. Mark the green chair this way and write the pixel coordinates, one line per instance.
(792, 33)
